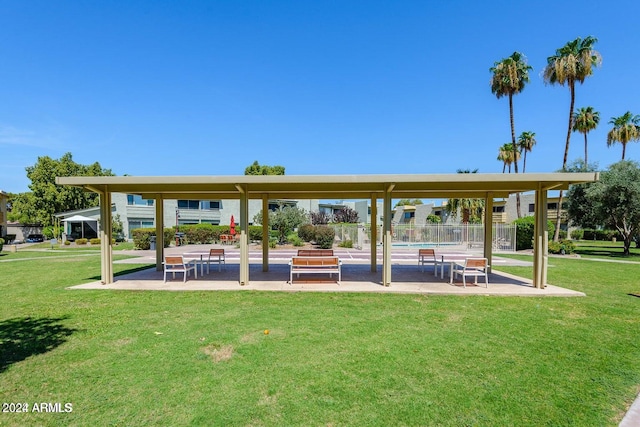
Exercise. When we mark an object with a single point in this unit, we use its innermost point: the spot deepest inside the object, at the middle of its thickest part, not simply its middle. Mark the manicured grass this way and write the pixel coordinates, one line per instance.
(606, 249)
(203, 358)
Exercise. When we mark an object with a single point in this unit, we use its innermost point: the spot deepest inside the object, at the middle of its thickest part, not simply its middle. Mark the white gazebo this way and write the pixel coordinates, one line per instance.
(92, 223)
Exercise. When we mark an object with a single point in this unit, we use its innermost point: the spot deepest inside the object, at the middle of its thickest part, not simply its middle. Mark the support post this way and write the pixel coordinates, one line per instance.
(541, 239)
(244, 241)
(105, 238)
(159, 201)
(488, 230)
(265, 233)
(374, 233)
(386, 240)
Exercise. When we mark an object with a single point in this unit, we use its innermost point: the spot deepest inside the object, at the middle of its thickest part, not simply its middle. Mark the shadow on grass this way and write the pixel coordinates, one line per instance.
(127, 271)
(23, 337)
(605, 251)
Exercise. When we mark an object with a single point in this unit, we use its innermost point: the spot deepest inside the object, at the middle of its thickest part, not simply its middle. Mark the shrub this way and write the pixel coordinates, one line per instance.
(562, 247)
(95, 241)
(273, 243)
(81, 241)
(142, 237)
(524, 232)
(325, 236)
(562, 234)
(294, 239)
(255, 233)
(1, 244)
(346, 244)
(307, 232)
(67, 243)
(577, 234)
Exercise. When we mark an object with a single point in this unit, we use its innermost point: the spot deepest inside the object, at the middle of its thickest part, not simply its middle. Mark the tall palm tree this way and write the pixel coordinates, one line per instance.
(626, 128)
(526, 141)
(572, 63)
(510, 75)
(508, 156)
(585, 120)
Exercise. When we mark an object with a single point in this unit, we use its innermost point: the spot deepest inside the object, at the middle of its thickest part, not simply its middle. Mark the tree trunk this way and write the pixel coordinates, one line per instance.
(515, 150)
(572, 88)
(585, 152)
(624, 148)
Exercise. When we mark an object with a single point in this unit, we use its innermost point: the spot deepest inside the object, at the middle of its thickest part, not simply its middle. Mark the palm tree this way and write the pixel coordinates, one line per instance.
(509, 78)
(526, 141)
(572, 63)
(584, 121)
(626, 128)
(508, 156)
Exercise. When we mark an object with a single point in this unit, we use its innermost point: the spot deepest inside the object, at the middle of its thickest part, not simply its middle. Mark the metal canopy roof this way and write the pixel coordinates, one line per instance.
(330, 186)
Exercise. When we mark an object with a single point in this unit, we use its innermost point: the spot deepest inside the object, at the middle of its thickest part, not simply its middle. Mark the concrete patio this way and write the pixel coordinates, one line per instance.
(356, 277)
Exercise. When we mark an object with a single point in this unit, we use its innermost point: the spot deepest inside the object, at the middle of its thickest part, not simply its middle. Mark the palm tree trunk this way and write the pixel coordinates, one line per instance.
(585, 151)
(572, 89)
(624, 148)
(515, 150)
(524, 162)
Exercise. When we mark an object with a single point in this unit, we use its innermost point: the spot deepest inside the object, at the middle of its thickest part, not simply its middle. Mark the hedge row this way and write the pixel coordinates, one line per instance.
(142, 237)
(208, 233)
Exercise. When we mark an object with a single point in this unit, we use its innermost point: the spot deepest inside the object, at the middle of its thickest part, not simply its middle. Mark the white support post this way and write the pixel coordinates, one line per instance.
(386, 240)
(105, 238)
(244, 241)
(488, 230)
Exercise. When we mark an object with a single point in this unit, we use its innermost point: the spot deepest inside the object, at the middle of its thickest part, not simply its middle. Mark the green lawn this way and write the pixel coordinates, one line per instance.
(605, 249)
(203, 358)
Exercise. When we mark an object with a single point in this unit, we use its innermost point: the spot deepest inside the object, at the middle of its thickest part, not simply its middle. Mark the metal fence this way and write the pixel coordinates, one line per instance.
(464, 236)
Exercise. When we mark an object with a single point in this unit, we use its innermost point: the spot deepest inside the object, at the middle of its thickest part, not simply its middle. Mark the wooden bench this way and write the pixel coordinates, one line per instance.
(176, 264)
(428, 256)
(315, 252)
(315, 265)
(472, 267)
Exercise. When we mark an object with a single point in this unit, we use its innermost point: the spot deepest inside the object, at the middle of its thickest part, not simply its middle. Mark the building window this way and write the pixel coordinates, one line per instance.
(532, 208)
(189, 204)
(552, 206)
(498, 209)
(135, 200)
(409, 215)
(139, 223)
(210, 205)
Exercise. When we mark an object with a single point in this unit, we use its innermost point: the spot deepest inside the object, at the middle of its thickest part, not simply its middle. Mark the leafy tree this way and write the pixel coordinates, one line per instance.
(580, 210)
(433, 219)
(409, 202)
(284, 219)
(320, 218)
(626, 128)
(572, 63)
(526, 141)
(616, 199)
(346, 215)
(585, 120)
(47, 197)
(256, 169)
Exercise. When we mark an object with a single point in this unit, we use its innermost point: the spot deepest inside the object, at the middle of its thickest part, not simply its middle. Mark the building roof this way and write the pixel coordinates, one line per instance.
(330, 186)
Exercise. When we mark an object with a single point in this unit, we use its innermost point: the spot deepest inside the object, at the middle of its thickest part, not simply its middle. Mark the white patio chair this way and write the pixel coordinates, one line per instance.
(472, 267)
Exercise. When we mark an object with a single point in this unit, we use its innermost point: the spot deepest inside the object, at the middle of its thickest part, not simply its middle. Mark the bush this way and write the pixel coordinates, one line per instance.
(590, 234)
(142, 237)
(524, 232)
(577, 234)
(307, 232)
(81, 241)
(294, 239)
(325, 236)
(1, 244)
(67, 243)
(346, 244)
(255, 233)
(562, 247)
(273, 243)
(95, 241)
(562, 234)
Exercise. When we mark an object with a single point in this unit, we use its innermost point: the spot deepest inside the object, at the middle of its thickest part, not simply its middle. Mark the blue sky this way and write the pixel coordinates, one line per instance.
(322, 87)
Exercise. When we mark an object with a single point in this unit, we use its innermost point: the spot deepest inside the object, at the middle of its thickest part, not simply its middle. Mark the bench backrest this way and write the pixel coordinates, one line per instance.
(216, 252)
(315, 252)
(308, 261)
(174, 260)
(427, 252)
(476, 263)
